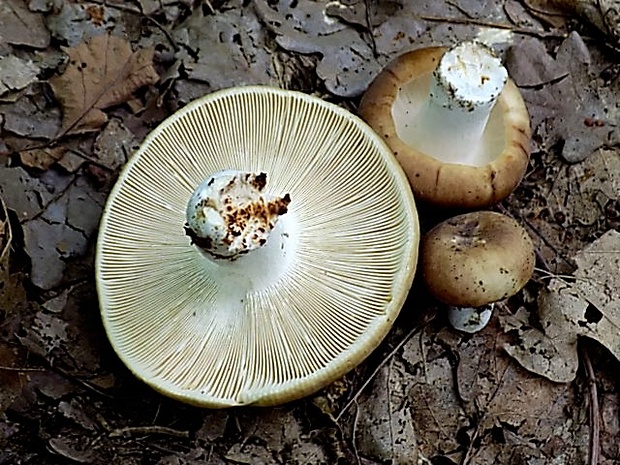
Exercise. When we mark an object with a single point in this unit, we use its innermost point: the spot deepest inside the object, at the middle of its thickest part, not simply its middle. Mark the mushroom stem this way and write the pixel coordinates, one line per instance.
(463, 91)
(470, 319)
(228, 214)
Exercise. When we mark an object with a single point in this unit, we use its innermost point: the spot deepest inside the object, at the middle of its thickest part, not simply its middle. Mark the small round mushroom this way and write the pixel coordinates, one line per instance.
(456, 123)
(473, 260)
(259, 244)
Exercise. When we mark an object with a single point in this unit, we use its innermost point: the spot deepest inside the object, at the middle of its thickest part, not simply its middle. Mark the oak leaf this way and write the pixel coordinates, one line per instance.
(102, 72)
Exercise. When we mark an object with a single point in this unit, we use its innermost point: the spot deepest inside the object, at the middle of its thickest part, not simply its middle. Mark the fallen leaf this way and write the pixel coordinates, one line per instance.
(567, 106)
(226, 49)
(31, 118)
(515, 417)
(75, 22)
(347, 64)
(385, 430)
(102, 72)
(20, 26)
(553, 353)
(42, 158)
(114, 144)
(603, 14)
(11, 379)
(590, 306)
(471, 403)
(15, 73)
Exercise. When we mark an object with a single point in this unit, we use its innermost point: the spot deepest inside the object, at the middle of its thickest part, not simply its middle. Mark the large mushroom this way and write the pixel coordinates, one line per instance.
(258, 245)
(456, 123)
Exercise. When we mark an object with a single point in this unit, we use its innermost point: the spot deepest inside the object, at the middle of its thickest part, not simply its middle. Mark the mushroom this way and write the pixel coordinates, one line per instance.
(258, 245)
(455, 121)
(473, 260)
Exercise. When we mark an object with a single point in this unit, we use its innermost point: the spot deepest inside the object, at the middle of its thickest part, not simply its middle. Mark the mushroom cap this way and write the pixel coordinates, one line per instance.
(448, 184)
(282, 321)
(476, 258)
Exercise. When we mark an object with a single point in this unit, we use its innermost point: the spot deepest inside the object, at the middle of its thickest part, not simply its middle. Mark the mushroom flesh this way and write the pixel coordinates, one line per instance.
(455, 121)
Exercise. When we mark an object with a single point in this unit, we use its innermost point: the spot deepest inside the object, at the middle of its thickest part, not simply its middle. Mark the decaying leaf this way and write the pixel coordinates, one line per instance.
(114, 144)
(224, 50)
(347, 63)
(42, 158)
(515, 417)
(76, 22)
(15, 73)
(20, 26)
(385, 430)
(568, 105)
(274, 436)
(471, 403)
(102, 72)
(590, 306)
(604, 14)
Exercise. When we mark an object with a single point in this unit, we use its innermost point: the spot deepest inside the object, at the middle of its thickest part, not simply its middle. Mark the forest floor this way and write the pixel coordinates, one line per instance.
(539, 385)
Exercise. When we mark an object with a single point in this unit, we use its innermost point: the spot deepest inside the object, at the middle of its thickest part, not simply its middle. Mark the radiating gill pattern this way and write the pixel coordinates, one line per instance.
(355, 240)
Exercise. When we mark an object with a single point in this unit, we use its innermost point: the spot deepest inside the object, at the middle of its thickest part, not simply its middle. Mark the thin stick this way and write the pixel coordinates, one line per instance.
(131, 431)
(374, 373)
(517, 30)
(593, 408)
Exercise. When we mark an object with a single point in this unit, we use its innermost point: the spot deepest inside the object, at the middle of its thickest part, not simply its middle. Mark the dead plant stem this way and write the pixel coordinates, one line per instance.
(593, 408)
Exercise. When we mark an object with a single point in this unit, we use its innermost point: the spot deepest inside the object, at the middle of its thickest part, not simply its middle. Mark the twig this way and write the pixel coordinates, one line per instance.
(5, 228)
(374, 373)
(22, 369)
(517, 30)
(368, 19)
(139, 11)
(76, 380)
(543, 12)
(353, 433)
(130, 431)
(593, 408)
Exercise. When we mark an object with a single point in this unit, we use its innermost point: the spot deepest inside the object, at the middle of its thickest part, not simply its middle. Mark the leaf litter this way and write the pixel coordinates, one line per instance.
(585, 304)
(444, 397)
(101, 73)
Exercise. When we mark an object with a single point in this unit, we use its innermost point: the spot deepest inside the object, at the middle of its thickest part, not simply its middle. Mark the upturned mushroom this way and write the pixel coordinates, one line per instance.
(473, 260)
(455, 121)
(258, 245)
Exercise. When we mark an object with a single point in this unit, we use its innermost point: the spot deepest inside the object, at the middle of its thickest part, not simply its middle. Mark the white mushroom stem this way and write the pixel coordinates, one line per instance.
(464, 87)
(470, 319)
(228, 214)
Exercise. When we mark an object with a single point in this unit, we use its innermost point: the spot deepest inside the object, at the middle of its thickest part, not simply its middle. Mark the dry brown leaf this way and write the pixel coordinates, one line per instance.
(102, 72)
(42, 158)
(588, 307)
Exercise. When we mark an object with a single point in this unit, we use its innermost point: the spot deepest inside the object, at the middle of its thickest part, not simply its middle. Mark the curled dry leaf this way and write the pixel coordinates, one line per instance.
(588, 307)
(102, 72)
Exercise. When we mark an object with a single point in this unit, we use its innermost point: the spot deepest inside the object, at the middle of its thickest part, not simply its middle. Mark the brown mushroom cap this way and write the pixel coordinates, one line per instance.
(476, 258)
(434, 181)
